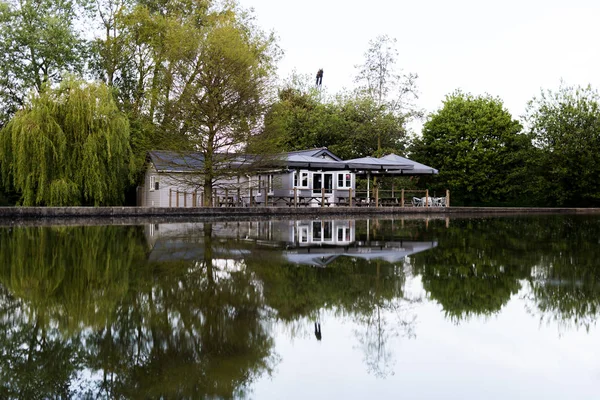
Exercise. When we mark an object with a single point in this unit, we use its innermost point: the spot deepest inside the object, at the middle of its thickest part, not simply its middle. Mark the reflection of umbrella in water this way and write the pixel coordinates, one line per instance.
(391, 252)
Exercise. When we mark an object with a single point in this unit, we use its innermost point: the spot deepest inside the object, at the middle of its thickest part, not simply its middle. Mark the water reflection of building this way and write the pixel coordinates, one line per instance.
(310, 242)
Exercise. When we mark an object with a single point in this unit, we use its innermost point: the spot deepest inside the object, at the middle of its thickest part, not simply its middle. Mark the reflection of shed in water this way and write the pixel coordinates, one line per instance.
(310, 242)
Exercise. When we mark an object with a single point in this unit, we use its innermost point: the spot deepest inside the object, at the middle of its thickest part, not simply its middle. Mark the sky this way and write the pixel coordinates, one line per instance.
(511, 49)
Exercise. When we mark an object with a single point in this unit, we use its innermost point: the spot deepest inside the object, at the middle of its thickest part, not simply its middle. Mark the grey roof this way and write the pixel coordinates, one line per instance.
(318, 158)
(418, 168)
(316, 152)
(303, 161)
(171, 161)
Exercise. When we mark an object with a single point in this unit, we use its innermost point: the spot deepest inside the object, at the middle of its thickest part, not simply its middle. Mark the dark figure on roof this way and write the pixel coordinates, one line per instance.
(319, 77)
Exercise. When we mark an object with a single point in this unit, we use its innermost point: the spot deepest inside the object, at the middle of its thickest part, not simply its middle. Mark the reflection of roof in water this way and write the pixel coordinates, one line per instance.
(391, 252)
(177, 250)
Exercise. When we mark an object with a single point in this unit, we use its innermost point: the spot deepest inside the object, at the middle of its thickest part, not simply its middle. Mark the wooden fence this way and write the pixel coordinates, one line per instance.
(326, 197)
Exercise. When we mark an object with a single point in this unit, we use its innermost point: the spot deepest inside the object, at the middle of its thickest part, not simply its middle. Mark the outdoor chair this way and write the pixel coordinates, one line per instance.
(417, 202)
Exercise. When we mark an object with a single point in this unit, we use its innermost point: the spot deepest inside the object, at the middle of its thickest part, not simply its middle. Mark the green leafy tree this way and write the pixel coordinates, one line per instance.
(194, 77)
(368, 129)
(565, 125)
(111, 49)
(38, 43)
(68, 146)
(350, 126)
(478, 148)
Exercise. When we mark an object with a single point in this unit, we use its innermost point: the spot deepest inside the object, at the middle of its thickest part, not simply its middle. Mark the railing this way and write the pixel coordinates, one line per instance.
(251, 197)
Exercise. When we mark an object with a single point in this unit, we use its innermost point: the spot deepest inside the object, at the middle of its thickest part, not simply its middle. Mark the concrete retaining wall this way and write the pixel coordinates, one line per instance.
(13, 213)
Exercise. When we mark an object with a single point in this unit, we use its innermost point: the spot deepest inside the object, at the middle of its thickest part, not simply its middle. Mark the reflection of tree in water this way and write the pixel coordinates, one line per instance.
(565, 285)
(384, 320)
(370, 293)
(477, 265)
(174, 329)
(35, 362)
(480, 263)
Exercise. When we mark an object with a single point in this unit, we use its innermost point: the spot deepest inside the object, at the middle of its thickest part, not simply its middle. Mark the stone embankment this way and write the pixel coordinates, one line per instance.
(13, 215)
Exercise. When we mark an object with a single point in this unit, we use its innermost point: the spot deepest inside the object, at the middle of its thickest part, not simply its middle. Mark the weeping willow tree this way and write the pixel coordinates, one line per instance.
(68, 146)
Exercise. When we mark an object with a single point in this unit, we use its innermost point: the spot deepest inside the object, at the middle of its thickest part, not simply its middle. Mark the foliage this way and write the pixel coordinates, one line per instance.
(349, 126)
(38, 42)
(565, 125)
(478, 149)
(193, 76)
(68, 146)
(380, 79)
(87, 298)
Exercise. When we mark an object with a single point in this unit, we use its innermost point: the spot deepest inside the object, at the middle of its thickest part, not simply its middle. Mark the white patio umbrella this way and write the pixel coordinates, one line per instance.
(417, 168)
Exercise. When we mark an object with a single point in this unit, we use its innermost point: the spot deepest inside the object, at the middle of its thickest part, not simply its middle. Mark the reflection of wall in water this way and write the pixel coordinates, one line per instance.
(306, 232)
(309, 242)
(335, 233)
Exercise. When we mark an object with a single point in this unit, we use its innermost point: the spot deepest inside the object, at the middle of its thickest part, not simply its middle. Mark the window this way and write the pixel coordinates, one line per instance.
(327, 231)
(303, 233)
(344, 180)
(303, 179)
(316, 231)
(154, 185)
(343, 234)
(270, 183)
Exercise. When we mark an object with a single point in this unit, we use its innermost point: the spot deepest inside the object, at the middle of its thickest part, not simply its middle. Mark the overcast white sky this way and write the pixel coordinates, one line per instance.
(508, 48)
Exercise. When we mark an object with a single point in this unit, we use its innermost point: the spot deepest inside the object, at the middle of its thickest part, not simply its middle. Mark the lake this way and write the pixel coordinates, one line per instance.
(421, 308)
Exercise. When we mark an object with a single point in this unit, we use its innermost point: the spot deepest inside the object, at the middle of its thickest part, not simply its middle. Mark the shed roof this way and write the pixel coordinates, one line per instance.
(318, 158)
(171, 161)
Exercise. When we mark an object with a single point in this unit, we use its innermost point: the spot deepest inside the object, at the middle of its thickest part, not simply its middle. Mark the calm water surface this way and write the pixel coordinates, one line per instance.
(461, 308)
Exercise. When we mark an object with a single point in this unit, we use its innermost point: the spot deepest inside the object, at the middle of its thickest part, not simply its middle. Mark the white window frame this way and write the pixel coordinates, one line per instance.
(303, 234)
(270, 183)
(297, 180)
(152, 182)
(346, 183)
(259, 187)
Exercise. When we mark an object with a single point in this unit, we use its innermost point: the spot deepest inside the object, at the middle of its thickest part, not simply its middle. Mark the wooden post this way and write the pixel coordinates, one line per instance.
(323, 196)
(177, 200)
(266, 197)
(402, 198)
(295, 197)
(376, 196)
(170, 197)
(393, 189)
(447, 198)
(368, 188)
(184, 199)
(251, 197)
(427, 198)
(350, 197)
(239, 199)
(194, 199)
